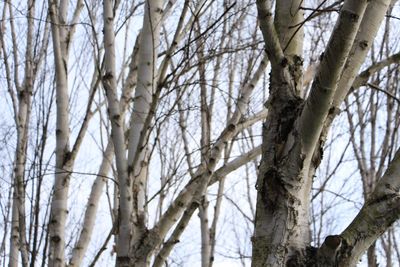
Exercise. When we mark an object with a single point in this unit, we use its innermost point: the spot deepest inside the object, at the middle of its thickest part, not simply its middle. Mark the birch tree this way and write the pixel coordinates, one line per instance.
(21, 90)
(24, 93)
(147, 113)
(294, 133)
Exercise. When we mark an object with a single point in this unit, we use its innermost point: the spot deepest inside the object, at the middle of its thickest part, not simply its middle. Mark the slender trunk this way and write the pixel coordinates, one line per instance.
(37, 233)
(213, 228)
(146, 88)
(19, 223)
(59, 208)
(205, 121)
(14, 235)
(18, 236)
(140, 124)
(14, 242)
(91, 209)
(118, 138)
(22, 121)
(205, 233)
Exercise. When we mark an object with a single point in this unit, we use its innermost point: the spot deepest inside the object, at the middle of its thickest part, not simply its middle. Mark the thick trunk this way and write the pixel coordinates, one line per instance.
(292, 145)
(281, 229)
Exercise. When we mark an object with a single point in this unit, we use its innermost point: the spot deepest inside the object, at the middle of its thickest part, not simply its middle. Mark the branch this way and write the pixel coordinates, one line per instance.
(380, 211)
(371, 21)
(318, 103)
(235, 164)
(272, 45)
(252, 120)
(363, 77)
(186, 196)
(384, 91)
(87, 117)
(174, 238)
(221, 172)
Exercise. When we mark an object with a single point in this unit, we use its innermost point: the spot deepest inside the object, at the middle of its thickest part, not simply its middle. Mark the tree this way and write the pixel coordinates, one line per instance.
(294, 134)
(143, 126)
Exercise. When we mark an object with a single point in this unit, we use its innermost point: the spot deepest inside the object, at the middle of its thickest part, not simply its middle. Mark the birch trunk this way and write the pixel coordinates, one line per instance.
(140, 124)
(206, 45)
(290, 135)
(146, 88)
(18, 238)
(18, 242)
(59, 208)
(91, 209)
(293, 137)
(118, 138)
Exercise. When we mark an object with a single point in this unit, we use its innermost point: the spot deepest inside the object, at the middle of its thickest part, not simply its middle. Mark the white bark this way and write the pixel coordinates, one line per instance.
(330, 69)
(118, 138)
(369, 27)
(59, 209)
(219, 174)
(18, 242)
(296, 125)
(271, 39)
(140, 122)
(288, 23)
(91, 208)
(363, 77)
(205, 233)
(146, 86)
(289, 27)
(168, 245)
(62, 36)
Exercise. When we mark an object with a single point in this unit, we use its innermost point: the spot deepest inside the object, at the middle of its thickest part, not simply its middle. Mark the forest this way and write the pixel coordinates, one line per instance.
(199, 133)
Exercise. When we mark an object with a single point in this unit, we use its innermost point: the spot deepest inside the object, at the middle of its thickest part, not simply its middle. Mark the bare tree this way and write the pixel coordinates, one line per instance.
(148, 112)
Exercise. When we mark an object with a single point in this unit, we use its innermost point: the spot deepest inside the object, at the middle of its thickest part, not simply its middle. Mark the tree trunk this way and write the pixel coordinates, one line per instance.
(293, 138)
(59, 208)
(141, 118)
(292, 148)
